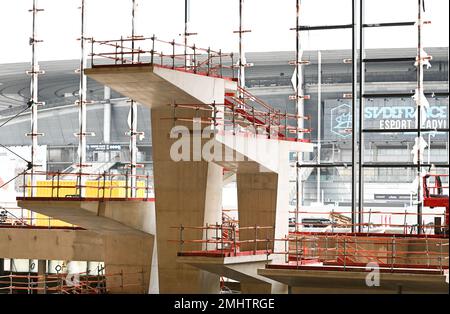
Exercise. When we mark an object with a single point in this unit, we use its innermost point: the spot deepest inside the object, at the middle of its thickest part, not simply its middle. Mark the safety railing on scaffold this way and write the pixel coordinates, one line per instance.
(26, 219)
(437, 187)
(242, 108)
(104, 185)
(142, 50)
(377, 221)
(236, 118)
(65, 283)
(390, 252)
(394, 252)
(222, 240)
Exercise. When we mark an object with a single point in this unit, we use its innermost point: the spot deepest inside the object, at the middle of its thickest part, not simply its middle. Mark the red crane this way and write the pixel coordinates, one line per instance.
(434, 195)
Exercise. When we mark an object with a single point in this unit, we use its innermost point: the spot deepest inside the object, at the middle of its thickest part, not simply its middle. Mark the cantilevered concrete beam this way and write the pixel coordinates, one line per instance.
(127, 253)
(338, 282)
(125, 230)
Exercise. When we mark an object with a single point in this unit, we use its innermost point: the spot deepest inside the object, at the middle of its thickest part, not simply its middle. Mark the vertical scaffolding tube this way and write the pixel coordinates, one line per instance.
(82, 106)
(132, 123)
(361, 116)
(133, 12)
(298, 107)
(354, 99)
(420, 92)
(242, 60)
(187, 61)
(319, 119)
(34, 102)
(133, 147)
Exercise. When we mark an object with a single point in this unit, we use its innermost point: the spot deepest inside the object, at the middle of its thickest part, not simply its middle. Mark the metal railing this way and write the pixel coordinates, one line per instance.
(104, 185)
(392, 252)
(436, 188)
(239, 117)
(223, 240)
(389, 251)
(28, 220)
(373, 221)
(141, 50)
(65, 283)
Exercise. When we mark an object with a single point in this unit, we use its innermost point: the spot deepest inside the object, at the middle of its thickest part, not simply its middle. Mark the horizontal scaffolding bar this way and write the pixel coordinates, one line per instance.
(376, 60)
(404, 130)
(372, 165)
(390, 24)
(323, 27)
(348, 26)
(334, 165)
(400, 95)
(402, 165)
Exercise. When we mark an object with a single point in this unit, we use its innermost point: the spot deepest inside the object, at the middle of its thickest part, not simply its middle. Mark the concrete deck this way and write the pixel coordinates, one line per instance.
(239, 268)
(340, 282)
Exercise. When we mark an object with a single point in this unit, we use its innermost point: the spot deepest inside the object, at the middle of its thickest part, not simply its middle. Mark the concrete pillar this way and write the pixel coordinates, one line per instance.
(187, 193)
(263, 200)
(2, 266)
(257, 194)
(42, 273)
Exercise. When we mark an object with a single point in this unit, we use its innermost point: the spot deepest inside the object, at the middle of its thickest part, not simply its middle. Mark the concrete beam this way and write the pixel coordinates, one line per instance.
(337, 282)
(125, 230)
(239, 268)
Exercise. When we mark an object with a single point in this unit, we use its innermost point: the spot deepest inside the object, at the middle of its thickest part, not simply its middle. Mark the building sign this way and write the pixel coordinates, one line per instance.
(405, 117)
(103, 147)
(341, 120)
(382, 114)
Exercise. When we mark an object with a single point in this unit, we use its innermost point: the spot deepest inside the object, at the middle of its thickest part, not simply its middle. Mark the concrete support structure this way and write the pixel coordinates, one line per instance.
(347, 282)
(123, 237)
(189, 192)
(239, 268)
(417, 265)
(127, 253)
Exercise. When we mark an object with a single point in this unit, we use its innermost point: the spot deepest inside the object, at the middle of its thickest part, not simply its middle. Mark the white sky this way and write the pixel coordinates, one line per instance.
(215, 21)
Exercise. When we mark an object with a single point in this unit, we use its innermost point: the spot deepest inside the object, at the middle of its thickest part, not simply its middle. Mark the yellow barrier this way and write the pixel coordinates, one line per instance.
(94, 189)
(45, 221)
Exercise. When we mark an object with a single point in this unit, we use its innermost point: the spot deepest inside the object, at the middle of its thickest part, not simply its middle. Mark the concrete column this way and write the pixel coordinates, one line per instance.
(187, 193)
(263, 201)
(2, 266)
(42, 273)
(257, 195)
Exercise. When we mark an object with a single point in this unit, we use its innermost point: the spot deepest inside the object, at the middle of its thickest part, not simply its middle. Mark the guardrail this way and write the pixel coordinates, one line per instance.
(222, 240)
(300, 249)
(104, 185)
(65, 283)
(141, 50)
(29, 220)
